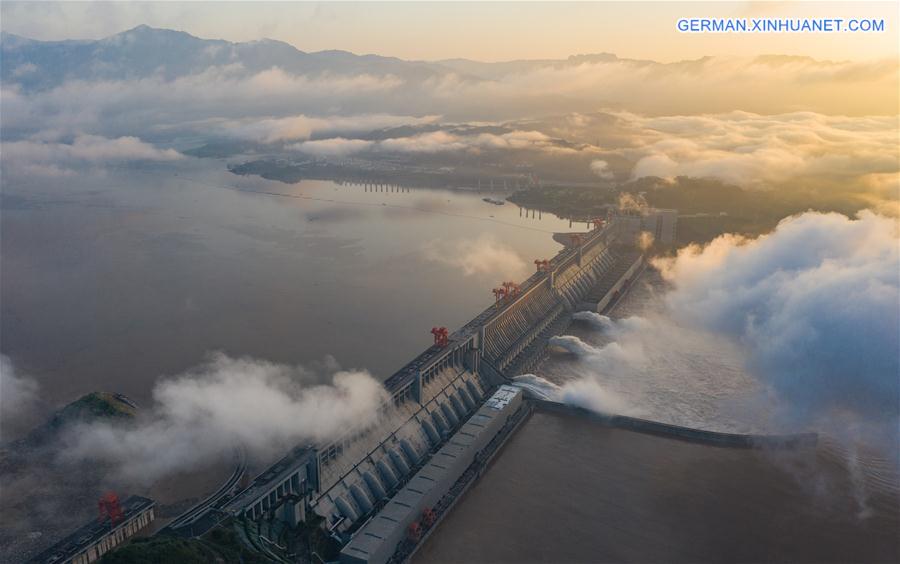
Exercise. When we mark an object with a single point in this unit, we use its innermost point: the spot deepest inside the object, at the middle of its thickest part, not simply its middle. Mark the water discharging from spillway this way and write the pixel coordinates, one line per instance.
(617, 495)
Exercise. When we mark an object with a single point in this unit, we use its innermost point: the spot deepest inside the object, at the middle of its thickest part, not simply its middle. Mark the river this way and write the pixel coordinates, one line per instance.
(112, 279)
(570, 490)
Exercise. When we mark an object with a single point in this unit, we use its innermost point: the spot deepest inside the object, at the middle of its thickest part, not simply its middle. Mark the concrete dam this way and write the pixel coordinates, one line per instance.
(379, 491)
(447, 405)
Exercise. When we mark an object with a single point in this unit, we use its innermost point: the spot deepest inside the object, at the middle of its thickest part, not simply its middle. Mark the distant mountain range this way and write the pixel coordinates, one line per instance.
(227, 79)
(145, 51)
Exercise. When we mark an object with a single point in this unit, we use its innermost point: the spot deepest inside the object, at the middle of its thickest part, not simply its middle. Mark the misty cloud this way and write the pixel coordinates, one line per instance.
(198, 417)
(485, 256)
(438, 142)
(324, 105)
(601, 169)
(751, 150)
(203, 87)
(301, 127)
(57, 158)
(123, 107)
(816, 307)
(765, 84)
(18, 393)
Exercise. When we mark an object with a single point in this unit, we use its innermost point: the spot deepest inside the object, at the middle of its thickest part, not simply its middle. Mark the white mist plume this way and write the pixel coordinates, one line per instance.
(585, 393)
(595, 319)
(663, 371)
(608, 325)
(483, 255)
(575, 345)
(629, 202)
(816, 306)
(198, 417)
(18, 394)
(601, 169)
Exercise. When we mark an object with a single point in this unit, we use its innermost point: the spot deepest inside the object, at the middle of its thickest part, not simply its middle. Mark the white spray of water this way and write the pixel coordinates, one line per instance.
(667, 372)
(578, 393)
(573, 345)
(796, 330)
(596, 320)
(608, 325)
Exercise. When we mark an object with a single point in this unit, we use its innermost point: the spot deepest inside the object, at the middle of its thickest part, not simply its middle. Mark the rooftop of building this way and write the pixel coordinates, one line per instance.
(271, 477)
(92, 532)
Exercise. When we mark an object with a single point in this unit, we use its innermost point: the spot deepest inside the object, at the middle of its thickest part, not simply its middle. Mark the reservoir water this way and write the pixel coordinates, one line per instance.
(114, 278)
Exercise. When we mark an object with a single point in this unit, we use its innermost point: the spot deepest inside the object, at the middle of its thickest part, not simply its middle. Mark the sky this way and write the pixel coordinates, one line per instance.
(483, 31)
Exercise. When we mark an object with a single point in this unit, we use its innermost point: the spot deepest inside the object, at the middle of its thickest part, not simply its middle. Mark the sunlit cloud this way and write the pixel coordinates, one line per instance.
(56, 158)
(199, 416)
(484, 255)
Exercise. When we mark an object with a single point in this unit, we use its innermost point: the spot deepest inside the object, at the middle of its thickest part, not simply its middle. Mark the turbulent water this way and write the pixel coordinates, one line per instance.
(660, 370)
(570, 490)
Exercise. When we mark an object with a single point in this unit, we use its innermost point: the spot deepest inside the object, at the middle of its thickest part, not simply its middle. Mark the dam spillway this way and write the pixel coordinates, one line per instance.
(436, 402)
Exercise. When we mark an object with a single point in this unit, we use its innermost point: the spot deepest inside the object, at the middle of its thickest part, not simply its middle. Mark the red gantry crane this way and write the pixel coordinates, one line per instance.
(428, 517)
(414, 532)
(441, 336)
(512, 289)
(506, 290)
(109, 507)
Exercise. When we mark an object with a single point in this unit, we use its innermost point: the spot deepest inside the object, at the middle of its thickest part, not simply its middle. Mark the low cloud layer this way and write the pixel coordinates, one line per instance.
(735, 119)
(747, 149)
(744, 148)
(200, 416)
(439, 142)
(815, 305)
(302, 127)
(186, 104)
(18, 394)
(484, 256)
(203, 86)
(55, 158)
(764, 84)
